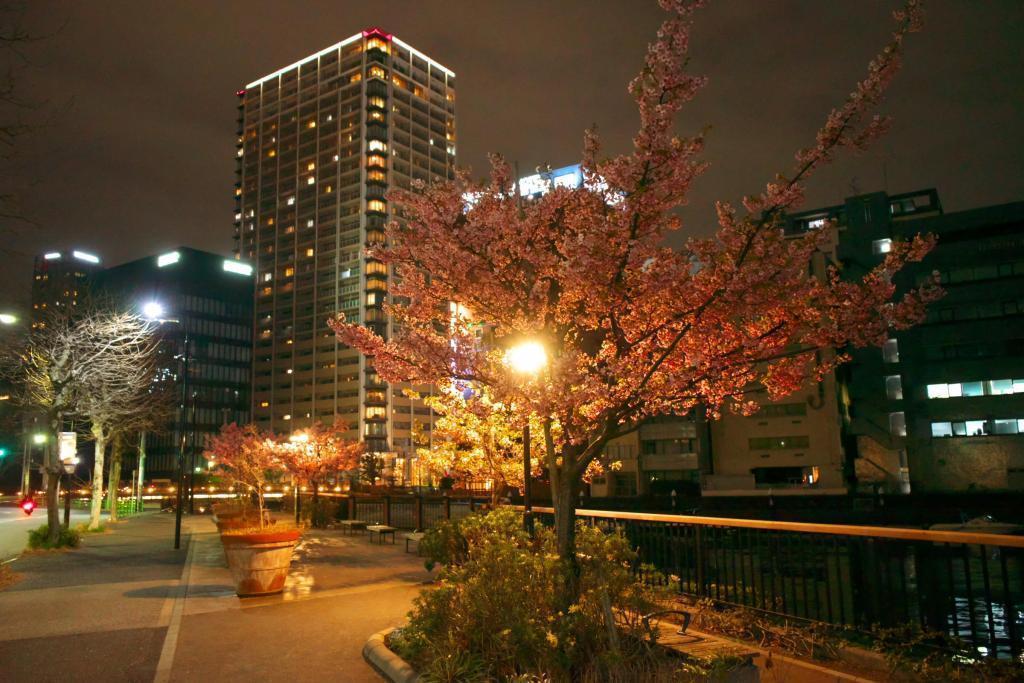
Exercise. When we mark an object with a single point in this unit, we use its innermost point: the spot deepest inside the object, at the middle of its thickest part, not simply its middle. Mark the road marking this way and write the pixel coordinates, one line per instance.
(177, 607)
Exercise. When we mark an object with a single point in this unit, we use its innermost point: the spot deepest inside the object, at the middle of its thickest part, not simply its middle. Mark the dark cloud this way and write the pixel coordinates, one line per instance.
(139, 154)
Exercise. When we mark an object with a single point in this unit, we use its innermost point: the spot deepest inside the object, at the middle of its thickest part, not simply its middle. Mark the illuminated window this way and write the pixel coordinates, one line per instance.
(310, 166)
(376, 175)
(271, 153)
(311, 124)
(328, 189)
(376, 205)
(375, 268)
(356, 77)
(375, 102)
(372, 299)
(264, 404)
(891, 351)
(883, 246)
(375, 116)
(377, 146)
(310, 180)
(377, 161)
(898, 424)
(377, 72)
(309, 252)
(267, 277)
(309, 223)
(291, 201)
(399, 81)
(267, 291)
(377, 44)
(288, 272)
(894, 387)
(375, 412)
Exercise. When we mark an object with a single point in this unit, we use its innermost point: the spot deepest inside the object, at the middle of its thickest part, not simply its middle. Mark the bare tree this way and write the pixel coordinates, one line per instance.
(117, 383)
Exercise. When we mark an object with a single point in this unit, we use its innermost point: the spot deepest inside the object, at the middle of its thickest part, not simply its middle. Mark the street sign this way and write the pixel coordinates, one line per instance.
(67, 450)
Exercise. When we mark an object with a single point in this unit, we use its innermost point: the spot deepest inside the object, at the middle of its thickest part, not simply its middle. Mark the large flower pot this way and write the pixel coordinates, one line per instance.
(259, 560)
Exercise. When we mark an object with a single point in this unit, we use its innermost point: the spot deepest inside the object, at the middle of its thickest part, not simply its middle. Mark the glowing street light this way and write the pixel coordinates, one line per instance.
(8, 319)
(153, 310)
(299, 437)
(39, 439)
(527, 357)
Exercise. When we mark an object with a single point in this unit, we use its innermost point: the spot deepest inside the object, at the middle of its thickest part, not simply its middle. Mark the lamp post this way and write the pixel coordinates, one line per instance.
(527, 358)
(155, 311)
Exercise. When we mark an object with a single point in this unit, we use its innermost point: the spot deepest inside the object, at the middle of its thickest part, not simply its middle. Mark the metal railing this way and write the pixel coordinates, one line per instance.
(405, 511)
(967, 585)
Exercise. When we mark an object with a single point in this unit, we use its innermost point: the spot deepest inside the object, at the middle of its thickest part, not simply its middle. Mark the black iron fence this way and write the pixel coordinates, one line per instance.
(404, 511)
(967, 585)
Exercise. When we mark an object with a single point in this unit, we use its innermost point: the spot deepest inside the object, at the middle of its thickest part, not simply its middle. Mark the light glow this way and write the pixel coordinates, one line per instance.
(83, 256)
(527, 357)
(237, 267)
(52, 255)
(8, 318)
(152, 310)
(167, 259)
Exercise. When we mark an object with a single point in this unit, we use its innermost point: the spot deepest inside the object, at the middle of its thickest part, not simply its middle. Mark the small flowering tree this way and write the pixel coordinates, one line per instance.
(247, 457)
(313, 455)
(632, 328)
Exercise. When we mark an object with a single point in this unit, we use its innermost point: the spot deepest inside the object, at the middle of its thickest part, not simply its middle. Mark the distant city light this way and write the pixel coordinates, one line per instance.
(8, 318)
(51, 255)
(83, 256)
(167, 259)
(232, 266)
(153, 310)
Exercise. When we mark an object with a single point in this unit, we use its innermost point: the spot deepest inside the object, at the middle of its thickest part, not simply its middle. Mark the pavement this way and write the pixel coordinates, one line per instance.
(126, 606)
(15, 525)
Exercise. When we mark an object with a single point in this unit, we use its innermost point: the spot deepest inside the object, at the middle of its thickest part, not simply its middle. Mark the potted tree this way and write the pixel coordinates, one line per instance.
(315, 454)
(259, 550)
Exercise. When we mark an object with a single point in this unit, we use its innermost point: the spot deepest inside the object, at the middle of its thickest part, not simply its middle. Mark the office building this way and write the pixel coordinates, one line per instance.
(59, 279)
(203, 303)
(320, 143)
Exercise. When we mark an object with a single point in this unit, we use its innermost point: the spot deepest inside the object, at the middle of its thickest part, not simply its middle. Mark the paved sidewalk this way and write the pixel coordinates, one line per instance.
(128, 607)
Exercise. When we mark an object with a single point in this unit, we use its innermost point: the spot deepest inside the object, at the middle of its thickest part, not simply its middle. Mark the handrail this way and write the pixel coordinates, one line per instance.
(899, 533)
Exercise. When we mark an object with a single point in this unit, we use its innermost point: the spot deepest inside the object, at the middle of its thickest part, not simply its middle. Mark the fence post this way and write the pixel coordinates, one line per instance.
(419, 513)
(447, 507)
(351, 507)
(387, 510)
(698, 555)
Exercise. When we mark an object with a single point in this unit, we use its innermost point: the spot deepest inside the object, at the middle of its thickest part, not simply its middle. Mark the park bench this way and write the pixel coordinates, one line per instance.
(702, 648)
(414, 537)
(351, 525)
(380, 531)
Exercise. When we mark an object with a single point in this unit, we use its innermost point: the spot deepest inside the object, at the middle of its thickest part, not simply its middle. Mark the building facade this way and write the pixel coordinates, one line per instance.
(320, 143)
(203, 303)
(59, 279)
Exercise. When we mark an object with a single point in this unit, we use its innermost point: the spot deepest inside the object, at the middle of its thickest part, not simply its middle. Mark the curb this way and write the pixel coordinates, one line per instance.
(387, 663)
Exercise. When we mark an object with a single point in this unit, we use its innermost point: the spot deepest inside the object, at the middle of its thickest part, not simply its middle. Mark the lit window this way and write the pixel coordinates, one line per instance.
(310, 166)
(377, 72)
(375, 267)
(372, 299)
(375, 102)
(376, 411)
(973, 389)
(891, 351)
(336, 157)
(309, 252)
(288, 272)
(271, 153)
(883, 246)
(291, 201)
(288, 371)
(977, 428)
(999, 387)
(376, 205)
(376, 175)
(310, 180)
(941, 429)
(1004, 426)
(287, 417)
(938, 391)
(328, 189)
(309, 223)
(355, 78)
(311, 124)
(377, 44)
(894, 387)
(375, 116)
(898, 424)
(377, 161)
(378, 146)
(264, 404)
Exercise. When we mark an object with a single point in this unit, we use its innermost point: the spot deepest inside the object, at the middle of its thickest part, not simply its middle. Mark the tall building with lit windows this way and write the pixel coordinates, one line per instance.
(320, 142)
(59, 279)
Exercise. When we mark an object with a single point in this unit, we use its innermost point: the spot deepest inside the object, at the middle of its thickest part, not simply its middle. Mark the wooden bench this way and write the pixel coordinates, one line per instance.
(414, 537)
(702, 648)
(380, 531)
(351, 525)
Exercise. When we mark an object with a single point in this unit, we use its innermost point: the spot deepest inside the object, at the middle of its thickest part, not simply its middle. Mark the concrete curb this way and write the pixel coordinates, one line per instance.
(387, 663)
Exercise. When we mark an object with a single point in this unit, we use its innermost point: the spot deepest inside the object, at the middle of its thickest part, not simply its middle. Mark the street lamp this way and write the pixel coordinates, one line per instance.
(527, 358)
(154, 311)
(8, 319)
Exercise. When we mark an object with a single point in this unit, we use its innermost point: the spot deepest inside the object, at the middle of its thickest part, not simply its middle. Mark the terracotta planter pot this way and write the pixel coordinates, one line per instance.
(259, 561)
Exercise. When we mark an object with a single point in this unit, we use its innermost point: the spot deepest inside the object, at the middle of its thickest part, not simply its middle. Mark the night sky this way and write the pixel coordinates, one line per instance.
(137, 154)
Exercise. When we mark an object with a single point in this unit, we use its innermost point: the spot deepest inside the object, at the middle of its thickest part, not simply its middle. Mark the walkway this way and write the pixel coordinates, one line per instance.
(128, 607)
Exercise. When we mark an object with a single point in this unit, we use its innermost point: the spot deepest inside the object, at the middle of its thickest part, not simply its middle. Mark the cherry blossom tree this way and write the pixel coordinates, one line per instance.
(248, 457)
(633, 328)
(316, 453)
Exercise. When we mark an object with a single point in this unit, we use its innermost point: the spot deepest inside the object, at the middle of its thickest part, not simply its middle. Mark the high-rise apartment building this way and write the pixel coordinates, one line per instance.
(320, 142)
(59, 279)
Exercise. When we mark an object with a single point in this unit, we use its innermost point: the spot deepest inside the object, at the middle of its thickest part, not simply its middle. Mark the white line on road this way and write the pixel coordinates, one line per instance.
(166, 662)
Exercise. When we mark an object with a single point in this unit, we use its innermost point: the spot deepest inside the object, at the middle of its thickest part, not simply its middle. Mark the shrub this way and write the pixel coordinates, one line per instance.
(320, 514)
(501, 608)
(39, 538)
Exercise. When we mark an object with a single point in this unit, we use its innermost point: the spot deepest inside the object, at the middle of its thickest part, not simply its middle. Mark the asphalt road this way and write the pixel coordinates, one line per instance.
(15, 525)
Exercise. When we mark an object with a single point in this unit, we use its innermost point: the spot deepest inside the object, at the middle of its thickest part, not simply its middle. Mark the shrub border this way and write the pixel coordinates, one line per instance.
(385, 661)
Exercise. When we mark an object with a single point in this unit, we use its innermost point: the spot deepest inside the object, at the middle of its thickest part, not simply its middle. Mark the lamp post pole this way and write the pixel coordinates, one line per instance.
(527, 499)
(181, 444)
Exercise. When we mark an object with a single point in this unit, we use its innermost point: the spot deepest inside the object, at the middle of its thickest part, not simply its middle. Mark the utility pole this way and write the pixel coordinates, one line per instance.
(142, 468)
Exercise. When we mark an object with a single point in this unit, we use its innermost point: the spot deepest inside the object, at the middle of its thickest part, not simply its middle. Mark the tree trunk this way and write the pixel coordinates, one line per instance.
(564, 489)
(114, 479)
(97, 478)
(52, 489)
